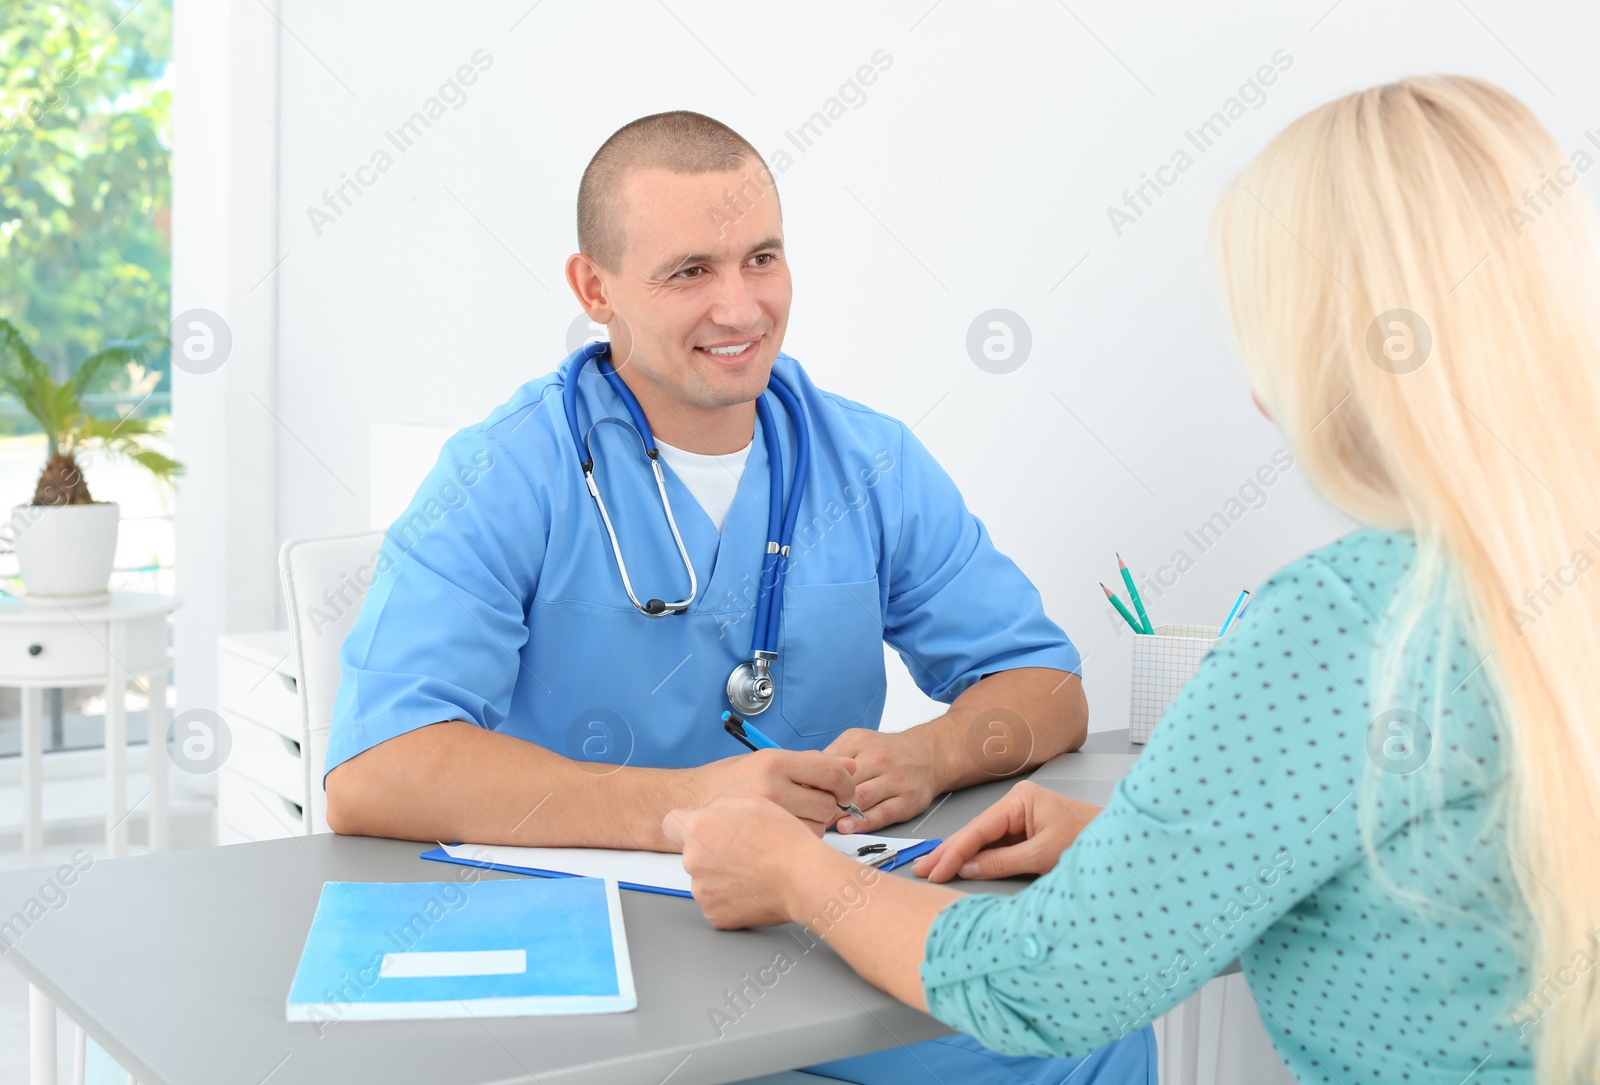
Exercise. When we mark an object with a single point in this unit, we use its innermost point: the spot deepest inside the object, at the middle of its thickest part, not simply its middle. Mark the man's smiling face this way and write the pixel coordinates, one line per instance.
(702, 288)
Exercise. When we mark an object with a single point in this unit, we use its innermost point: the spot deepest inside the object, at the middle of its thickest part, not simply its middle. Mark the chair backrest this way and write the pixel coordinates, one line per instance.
(324, 583)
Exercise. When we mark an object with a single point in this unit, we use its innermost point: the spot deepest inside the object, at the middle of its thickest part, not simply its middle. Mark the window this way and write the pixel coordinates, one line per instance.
(85, 259)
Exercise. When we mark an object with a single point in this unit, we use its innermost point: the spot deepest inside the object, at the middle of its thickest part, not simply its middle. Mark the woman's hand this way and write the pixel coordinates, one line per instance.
(1023, 833)
(743, 855)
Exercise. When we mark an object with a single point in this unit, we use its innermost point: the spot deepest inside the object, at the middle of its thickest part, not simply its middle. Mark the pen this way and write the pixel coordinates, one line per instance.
(737, 731)
(749, 734)
(1233, 615)
(1133, 593)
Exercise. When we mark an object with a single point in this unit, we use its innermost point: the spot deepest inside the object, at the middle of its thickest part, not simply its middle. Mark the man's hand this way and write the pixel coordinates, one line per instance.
(1023, 833)
(809, 784)
(1002, 725)
(896, 776)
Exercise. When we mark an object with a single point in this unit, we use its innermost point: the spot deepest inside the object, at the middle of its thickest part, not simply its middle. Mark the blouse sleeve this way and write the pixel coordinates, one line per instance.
(1240, 806)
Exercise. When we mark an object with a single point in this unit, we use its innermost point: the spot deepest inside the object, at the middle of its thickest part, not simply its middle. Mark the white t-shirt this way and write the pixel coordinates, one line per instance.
(712, 479)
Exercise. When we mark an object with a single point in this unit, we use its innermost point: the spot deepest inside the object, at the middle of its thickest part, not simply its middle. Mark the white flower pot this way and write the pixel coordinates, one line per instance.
(65, 551)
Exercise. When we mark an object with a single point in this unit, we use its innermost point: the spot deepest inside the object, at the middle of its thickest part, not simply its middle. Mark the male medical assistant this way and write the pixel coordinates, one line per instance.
(499, 602)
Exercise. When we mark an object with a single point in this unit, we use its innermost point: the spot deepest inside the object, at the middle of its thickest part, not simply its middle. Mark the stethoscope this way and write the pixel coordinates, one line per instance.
(750, 687)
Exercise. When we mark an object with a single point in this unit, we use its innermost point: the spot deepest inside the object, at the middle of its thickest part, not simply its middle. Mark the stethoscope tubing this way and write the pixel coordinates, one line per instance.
(616, 547)
(780, 526)
(768, 630)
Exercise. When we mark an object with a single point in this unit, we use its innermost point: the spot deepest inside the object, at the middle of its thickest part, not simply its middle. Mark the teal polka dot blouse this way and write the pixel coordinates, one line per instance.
(1238, 834)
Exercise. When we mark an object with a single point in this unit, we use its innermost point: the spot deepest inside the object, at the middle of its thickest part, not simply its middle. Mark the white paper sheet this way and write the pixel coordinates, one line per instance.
(657, 869)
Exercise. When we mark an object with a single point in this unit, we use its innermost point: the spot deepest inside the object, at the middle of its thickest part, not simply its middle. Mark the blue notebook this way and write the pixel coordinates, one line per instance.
(387, 951)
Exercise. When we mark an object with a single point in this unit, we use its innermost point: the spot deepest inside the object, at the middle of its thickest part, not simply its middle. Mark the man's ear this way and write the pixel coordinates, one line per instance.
(589, 287)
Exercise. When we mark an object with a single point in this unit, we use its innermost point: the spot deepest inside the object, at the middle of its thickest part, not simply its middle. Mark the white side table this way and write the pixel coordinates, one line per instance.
(48, 644)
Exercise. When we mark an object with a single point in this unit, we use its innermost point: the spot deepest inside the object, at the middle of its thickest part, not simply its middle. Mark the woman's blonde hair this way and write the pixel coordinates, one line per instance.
(1412, 279)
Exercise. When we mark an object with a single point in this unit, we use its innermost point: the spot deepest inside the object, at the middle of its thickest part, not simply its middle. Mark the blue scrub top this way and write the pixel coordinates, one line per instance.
(496, 598)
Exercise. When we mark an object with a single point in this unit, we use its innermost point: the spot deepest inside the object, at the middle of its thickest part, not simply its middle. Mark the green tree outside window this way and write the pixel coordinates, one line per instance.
(85, 179)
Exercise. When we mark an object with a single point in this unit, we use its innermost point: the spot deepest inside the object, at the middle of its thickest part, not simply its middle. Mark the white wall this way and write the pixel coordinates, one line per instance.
(976, 175)
(224, 243)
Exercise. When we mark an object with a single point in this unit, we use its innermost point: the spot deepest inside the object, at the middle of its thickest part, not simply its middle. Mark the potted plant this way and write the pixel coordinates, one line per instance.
(64, 539)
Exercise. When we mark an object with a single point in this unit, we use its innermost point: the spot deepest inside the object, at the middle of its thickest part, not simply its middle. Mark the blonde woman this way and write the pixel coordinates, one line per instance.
(1382, 790)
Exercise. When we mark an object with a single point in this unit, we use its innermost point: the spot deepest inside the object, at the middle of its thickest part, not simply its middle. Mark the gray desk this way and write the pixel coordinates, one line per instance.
(178, 965)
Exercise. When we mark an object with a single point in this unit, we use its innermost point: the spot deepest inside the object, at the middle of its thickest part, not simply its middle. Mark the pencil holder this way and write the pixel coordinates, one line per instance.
(1162, 663)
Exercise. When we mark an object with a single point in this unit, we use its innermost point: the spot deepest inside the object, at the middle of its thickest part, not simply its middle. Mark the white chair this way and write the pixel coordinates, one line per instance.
(324, 583)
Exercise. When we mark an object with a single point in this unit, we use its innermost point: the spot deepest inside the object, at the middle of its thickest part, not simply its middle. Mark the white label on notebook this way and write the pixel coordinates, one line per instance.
(465, 962)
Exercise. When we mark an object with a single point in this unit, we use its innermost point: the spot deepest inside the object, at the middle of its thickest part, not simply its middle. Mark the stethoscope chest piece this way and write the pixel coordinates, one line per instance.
(750, 687)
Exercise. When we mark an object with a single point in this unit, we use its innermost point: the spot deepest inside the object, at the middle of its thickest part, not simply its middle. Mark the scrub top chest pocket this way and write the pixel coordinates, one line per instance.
(830, 659)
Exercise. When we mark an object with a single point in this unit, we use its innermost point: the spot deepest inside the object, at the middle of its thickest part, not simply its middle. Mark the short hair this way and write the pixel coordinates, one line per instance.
(679, 141)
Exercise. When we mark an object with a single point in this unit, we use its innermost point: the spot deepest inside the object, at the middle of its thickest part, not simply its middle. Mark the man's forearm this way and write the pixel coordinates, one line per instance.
(1005, 724)
(455, 781)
